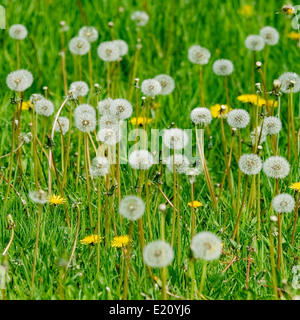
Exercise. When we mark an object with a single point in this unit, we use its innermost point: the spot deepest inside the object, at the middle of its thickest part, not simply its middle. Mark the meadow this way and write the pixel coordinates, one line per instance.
(86, 217)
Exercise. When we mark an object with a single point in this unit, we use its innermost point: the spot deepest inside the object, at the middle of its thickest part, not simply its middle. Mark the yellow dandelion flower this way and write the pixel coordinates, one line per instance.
(246, 10)
(195, 204)
(120, 242)
(140, 121)
(217, 111)
(91, 240)
(26, 105)
(248, 98)
(294, 35)
(252, 99)
(56, 199)
(295, 186)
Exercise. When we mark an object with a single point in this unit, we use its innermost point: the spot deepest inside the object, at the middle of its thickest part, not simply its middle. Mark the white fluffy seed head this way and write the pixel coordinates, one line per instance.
(108, 121)
(201, 116)
(272, 125)
(255, 42)
(108, 51)
(39, 196)
(90, 33)
(270, 35)
(44, 107)
(167, 83)
(141, 160)
(181, 163)
(158, 254)
(121, 108)
(276, 167)
(109, 136)
(132, 207)
(151, 87)
(250, 164)
(122, 45)
(35, 97)
(62, 125)
(104, 106)
(206, 245)
(238, 118)
(85, 118)
(198, 55)
(100, 167)
(79, 46)
(290, 81)
(79, 89)
(192, 173)
(262, 135)
(223, 67)
(18, 32)
(175, 138)
(140, 17)
(19, 80)
(283, 203)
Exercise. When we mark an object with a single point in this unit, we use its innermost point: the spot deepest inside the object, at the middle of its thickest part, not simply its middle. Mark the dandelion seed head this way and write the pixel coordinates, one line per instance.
(206, 245)
(272, 125)
(18, 32)
(104, 106)
(250, 164)
(121, 108)
(151, 87)
(109, 121)
(109, 136)
(44, 107)
(19, 80)
(198, 55)
(100, 167)
(223, 67)
(122, 45)
(255, 42)
(167, 83)
(276, 167)
(141, 160)
(62, 125)
(38, 196)
(201, 116)
(258, 133)
(90, 33)
(283, 203)
(175, 138)
(108, 51)
(140, 17)
(132, 207)
(34, 98)
(289, 81)
(79, 46)
(85, 118)
(158, 254)
(79, 89)
(270, 35)
(181, 163)
(238, 118)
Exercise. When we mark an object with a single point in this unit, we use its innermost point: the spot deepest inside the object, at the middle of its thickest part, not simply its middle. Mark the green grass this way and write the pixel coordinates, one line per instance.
(214, 25)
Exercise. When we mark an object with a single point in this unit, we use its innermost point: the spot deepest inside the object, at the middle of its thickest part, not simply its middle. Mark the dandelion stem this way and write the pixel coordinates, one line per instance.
(200, 145)
(241, 209)
(36, 247)
(201, 86)
(10, 241)
(272, 258)
(127, 263)
(203, 277)
(86, 165)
